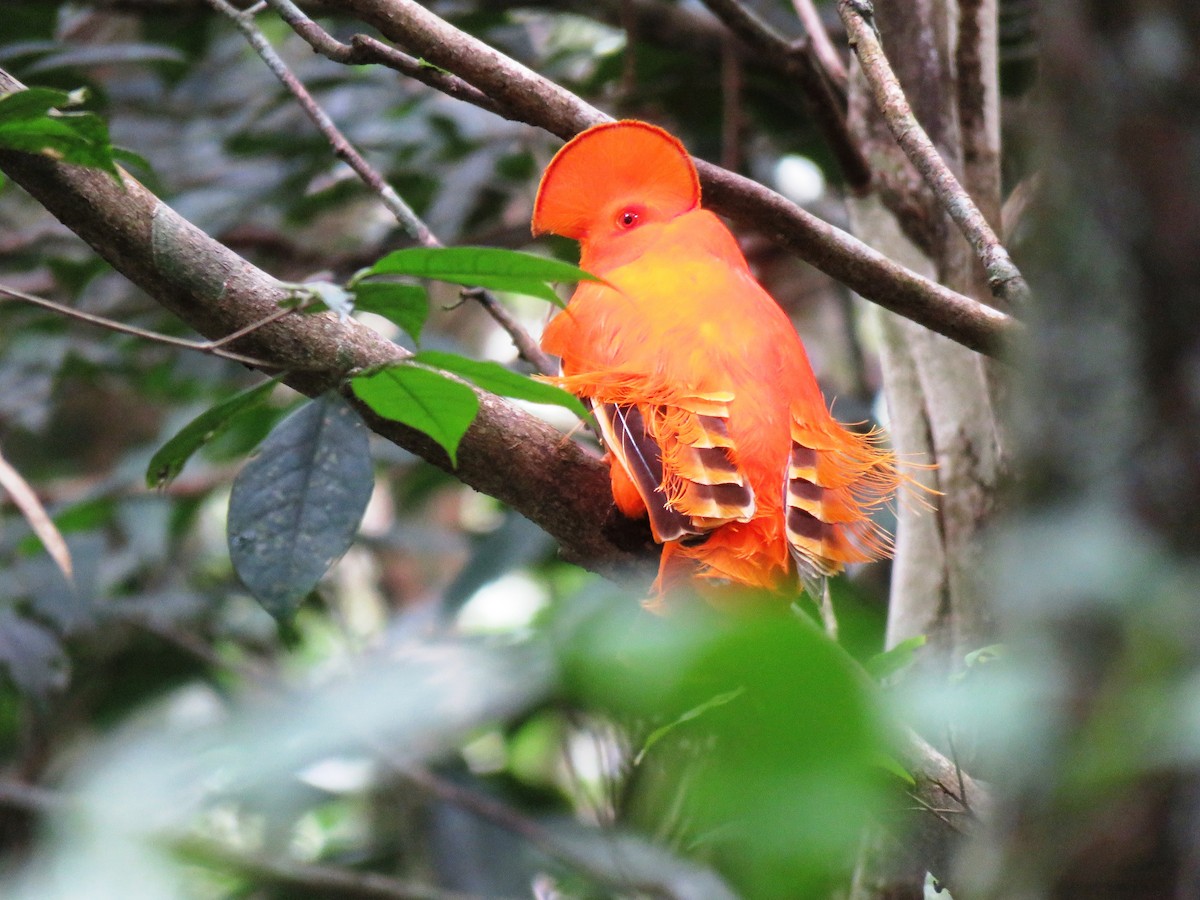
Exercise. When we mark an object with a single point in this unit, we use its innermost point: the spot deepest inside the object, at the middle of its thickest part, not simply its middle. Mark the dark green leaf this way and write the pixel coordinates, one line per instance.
(405, 304)
(889, 662)
(495, 378)
(170, 459)
(487, 267)
(296, 506)
(31, 103)
(439, 406)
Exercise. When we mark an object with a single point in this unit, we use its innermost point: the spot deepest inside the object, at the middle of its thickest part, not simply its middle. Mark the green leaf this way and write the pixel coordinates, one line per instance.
(889, 662)
(775, 787)
(31, 103)
(172, 456)
(30, 122)
(434, 404)
(984, 655)
(487, 267)
(890, 764)
(495, 378)
(695, 712)
(407, 305)
(296, 506)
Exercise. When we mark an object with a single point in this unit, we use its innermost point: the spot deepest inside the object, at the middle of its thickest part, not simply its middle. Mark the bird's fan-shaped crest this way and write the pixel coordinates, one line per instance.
(617, 161)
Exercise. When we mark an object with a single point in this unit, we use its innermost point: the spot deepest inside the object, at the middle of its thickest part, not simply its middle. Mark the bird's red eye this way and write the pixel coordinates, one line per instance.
(628, 218)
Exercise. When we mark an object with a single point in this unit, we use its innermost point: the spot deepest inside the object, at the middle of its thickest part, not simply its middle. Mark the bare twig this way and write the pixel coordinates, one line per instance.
(329, 881)
(1005, 280)
(26, 500)
(797, 60)
(525, 96)
(214, 348)
(822, 46)
(364, 49)
(522, 340)
(342, 148)
(369, 48)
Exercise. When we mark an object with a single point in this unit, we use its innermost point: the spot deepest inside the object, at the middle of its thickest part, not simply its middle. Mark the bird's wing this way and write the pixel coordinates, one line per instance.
(676, 449)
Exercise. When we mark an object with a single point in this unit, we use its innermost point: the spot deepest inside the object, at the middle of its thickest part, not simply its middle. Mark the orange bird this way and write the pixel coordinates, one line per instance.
(701, 387)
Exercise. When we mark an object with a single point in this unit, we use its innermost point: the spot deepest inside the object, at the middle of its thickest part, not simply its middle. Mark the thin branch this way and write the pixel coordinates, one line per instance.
(213, 348)
(26, 500)
(525, 96)
(367, 49)
(36, 800)
(796, 59)
(1004, 278)
(342, 148)
(822, 45)
(522, 340)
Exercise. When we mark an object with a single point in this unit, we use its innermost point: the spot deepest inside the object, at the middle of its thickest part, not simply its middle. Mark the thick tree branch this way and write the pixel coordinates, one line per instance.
(507, 454)
(525, 96)
(1005, 280)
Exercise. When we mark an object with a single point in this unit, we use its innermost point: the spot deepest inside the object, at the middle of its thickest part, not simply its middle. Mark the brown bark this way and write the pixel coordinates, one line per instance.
(942, 400)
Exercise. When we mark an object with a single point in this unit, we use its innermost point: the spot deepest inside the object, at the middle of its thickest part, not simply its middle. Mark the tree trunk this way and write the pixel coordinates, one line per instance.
(942, 399)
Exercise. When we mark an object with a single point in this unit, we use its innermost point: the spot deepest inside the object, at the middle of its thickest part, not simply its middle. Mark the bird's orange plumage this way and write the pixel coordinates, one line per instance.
(702, 388)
